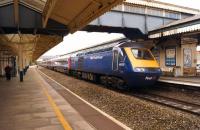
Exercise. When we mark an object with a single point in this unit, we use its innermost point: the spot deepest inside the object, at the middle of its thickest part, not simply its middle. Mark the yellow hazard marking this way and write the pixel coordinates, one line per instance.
(56, 109)
(97, 109)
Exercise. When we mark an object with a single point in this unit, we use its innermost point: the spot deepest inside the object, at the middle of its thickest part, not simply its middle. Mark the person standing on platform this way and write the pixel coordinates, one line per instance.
(8, 72)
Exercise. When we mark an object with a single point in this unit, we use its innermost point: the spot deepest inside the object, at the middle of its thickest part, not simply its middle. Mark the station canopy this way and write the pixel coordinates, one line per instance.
(39, 25)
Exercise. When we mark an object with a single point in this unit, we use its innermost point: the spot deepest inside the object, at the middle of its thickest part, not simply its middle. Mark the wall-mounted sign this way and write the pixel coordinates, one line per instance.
(187, 57)
(170, 56)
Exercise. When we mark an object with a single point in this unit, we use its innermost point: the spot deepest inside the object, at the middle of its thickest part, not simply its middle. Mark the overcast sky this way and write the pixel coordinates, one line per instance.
(81, 40)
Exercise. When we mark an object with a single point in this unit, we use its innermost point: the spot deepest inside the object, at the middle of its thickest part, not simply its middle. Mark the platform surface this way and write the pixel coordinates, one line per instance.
(190, 81)
(28, 106)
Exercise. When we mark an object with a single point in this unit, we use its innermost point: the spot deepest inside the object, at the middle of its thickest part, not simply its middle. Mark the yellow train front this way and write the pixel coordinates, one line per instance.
(140, 66)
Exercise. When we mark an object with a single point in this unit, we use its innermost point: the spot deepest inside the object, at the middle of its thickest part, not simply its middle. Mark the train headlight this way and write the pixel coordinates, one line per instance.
(139, 69)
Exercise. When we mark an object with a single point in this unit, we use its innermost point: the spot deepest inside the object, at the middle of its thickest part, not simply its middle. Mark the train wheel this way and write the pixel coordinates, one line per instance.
(119, 84)
(114, 82)
(109, 81)
(103, 80)
(96, 78)
(122, 85)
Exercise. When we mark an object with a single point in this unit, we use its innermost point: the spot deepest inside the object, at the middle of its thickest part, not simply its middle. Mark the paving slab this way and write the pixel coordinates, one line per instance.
(24, 106)
(36, 105)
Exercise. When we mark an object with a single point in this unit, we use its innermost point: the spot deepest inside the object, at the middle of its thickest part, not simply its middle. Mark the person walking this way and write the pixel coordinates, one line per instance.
(8, 72)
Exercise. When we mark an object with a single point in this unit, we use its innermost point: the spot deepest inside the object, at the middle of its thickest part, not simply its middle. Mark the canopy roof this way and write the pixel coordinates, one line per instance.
(39, 25)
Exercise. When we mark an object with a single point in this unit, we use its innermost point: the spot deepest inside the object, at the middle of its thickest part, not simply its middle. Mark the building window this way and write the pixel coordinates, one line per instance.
(172, 15)
(154, 12)
(134, 9)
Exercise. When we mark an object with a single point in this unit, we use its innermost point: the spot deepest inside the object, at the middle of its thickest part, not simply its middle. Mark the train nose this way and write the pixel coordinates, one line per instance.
(143, 79)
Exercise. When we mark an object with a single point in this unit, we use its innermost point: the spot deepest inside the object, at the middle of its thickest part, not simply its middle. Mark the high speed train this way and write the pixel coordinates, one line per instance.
(121, 64)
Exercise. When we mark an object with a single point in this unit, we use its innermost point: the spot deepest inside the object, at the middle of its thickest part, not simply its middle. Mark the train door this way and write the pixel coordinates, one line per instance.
(69, 63)
(80, 62)
(115, 60)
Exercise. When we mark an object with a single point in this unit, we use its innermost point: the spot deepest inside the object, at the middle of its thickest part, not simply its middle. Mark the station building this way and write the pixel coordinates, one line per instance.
(176, 47)
(177, 57)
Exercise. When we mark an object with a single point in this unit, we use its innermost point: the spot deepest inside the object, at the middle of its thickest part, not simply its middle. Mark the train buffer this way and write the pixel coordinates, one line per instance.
(36, 105)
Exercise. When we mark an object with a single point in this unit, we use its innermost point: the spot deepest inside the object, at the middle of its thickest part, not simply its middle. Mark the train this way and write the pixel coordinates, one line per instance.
(120, 63)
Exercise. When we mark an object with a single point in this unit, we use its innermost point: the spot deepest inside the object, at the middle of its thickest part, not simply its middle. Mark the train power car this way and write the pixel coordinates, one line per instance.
(120, 64)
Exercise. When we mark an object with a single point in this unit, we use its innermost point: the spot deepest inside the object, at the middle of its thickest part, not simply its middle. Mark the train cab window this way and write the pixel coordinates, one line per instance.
(115, 60)
(121, 57)
(143, 54)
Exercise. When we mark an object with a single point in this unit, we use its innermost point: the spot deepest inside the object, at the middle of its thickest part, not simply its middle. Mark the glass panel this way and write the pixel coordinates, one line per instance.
(172, 15)
(155, 12)
(115, 60)
(143, 54)
(134, 9)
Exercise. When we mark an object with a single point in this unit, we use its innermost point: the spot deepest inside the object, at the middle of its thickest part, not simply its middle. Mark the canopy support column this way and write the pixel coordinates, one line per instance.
(21, 72)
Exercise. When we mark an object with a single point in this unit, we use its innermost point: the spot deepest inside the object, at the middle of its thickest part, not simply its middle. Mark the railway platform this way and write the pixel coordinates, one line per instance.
(187, 81)
(36, 105)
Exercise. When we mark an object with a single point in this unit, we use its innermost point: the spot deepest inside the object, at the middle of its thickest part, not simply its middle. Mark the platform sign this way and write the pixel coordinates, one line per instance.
(187, 57)
(170, 56)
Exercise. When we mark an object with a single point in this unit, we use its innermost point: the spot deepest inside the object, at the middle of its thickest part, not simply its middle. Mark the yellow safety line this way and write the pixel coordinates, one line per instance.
(59, 114)
(97, 109)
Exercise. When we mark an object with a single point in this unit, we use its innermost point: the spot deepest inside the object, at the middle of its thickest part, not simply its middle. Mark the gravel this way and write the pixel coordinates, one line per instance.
(180, 94)
(135, 113)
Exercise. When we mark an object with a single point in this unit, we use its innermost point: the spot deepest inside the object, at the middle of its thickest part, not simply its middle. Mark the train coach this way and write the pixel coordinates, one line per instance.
(121, 64)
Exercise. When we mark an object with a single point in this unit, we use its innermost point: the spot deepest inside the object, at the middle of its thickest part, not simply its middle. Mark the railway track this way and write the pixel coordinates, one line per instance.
(192, 108)
(124, 106)
(188, 107)
(178, 86)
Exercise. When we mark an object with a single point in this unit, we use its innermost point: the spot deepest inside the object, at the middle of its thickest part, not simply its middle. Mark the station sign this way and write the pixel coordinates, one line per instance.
(170, 56)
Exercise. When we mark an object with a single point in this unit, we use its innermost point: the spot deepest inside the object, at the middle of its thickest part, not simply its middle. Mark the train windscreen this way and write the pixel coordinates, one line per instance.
(142, 54)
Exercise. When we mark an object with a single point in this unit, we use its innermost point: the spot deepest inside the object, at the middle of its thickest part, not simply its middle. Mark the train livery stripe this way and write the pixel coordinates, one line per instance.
(140, 63)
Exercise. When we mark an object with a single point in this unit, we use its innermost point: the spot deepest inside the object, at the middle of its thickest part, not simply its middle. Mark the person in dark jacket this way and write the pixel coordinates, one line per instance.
(8, 72)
